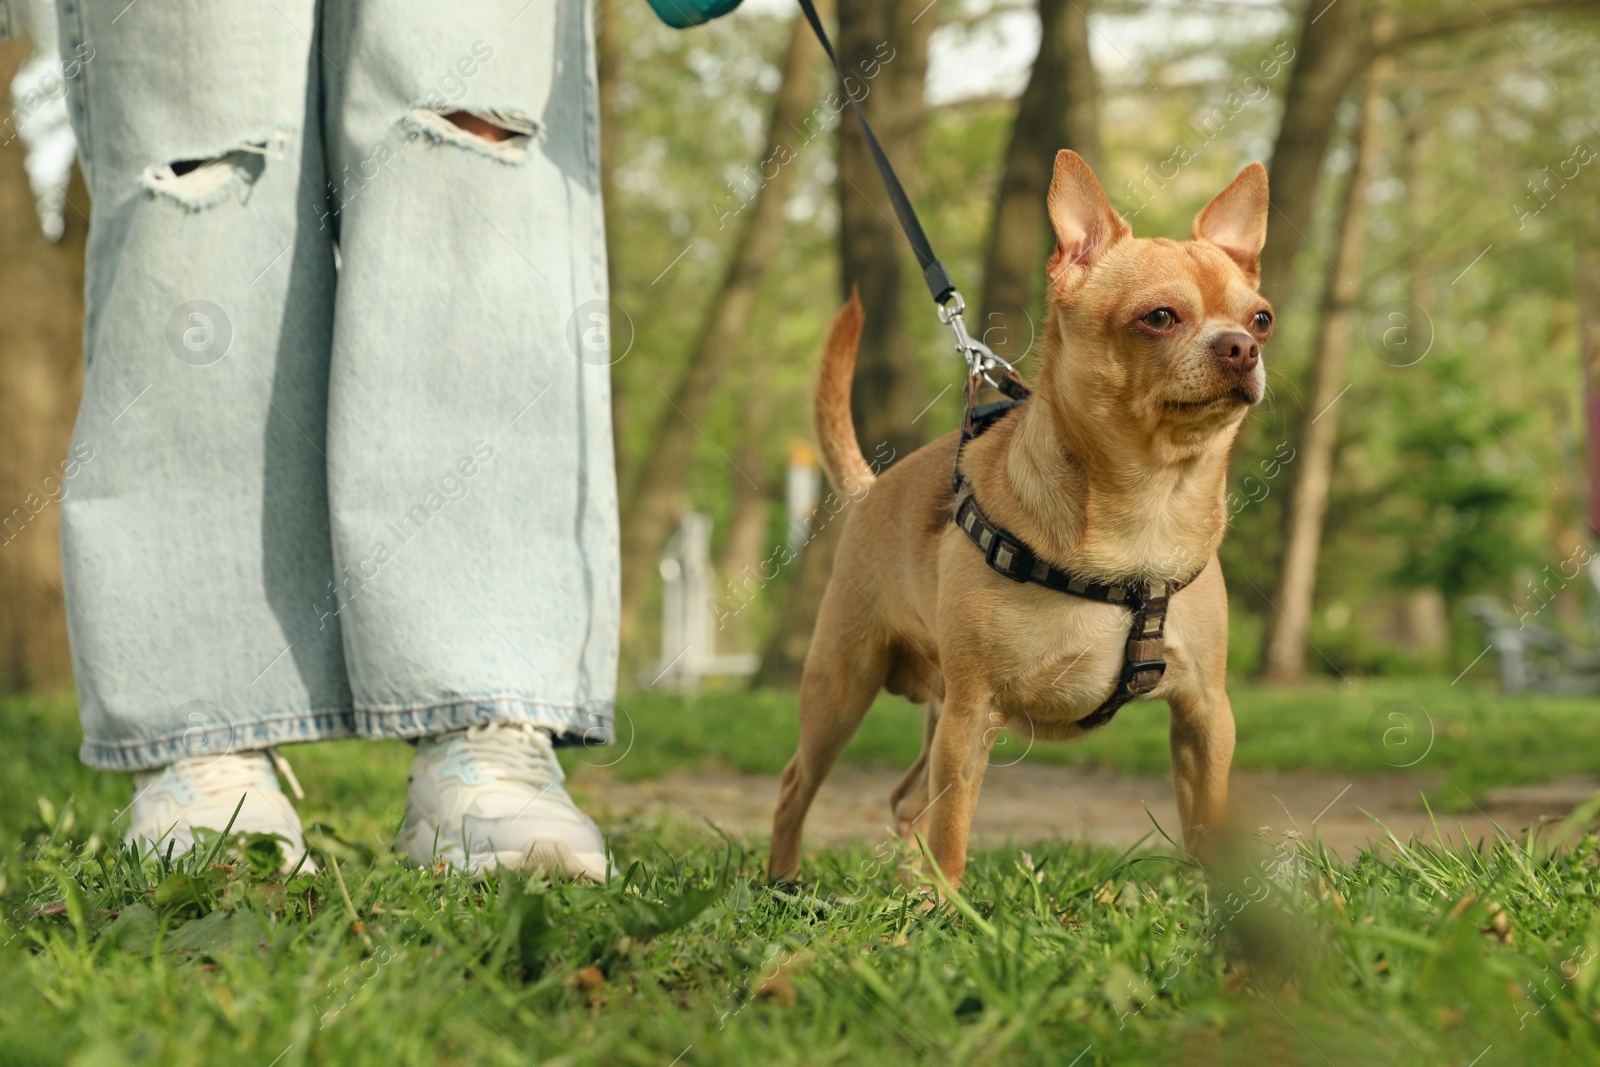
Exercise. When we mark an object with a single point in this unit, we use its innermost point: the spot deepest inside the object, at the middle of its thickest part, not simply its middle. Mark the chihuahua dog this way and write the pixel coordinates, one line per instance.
(1113, 470)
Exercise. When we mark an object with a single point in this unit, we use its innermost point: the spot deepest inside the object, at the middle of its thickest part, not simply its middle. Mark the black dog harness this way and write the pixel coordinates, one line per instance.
(1143, 662)
(1144, 656)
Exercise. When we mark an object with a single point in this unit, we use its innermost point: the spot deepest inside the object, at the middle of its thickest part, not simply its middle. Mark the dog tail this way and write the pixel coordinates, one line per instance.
(830, 413)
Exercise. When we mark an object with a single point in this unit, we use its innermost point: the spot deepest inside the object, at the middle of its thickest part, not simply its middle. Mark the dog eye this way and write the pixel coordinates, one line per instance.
(1160, 318)
(1262, 321)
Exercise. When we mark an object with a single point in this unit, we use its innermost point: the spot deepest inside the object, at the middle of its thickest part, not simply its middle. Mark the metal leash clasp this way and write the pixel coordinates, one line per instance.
(979, 357)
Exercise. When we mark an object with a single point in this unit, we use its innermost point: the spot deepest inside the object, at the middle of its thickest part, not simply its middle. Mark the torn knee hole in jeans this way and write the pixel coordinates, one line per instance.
(198, 183)
(496, 132)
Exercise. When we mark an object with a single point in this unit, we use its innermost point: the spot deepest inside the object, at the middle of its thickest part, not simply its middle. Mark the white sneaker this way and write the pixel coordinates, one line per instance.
(491, 796)
(203, 791)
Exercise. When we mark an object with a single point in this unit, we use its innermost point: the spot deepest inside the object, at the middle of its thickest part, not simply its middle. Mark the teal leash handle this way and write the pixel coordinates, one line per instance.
(682, 14)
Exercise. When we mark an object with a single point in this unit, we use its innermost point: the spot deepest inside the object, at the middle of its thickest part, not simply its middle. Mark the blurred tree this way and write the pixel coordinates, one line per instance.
(785, 654)
(1287, 615)
(1059, 109)
(1333, 51)
(747, 523)
(883, 48)
(608, 62)
(1335, 47)
(1427, 612)
(41, 376)
(1588, 278)
(1284, 650)
(1459, 510)
(652, 502)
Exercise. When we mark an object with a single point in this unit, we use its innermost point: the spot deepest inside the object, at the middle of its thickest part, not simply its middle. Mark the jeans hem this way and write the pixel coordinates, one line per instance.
(217, 737)
(570, 723)
(590, 722)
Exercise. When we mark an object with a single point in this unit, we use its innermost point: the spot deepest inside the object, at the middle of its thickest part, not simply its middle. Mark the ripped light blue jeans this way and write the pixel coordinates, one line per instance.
(343, 463)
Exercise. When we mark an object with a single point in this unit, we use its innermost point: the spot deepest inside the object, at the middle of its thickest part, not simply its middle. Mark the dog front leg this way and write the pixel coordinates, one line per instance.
(1202, 751)
(958, 758)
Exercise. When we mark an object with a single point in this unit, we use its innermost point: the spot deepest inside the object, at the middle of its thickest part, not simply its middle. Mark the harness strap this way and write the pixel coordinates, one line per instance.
(1144, 656)
(1143, 659)
(976, 417)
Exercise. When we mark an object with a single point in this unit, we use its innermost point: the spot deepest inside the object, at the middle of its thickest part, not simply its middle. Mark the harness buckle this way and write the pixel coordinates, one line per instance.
(1139, 666)
(1011, 558)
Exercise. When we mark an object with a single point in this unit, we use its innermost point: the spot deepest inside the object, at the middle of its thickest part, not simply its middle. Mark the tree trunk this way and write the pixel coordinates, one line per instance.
(1427, 610)
(608, 62)
(746, 545)
(651, 506)
(1588, 279)
(883, 47)
(41, 377)
(1284, 656)
(1058, 109)
(785, 654)
(1334, 49)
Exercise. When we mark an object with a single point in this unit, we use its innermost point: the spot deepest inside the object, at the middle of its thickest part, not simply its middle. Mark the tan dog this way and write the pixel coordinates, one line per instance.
(1113, 470)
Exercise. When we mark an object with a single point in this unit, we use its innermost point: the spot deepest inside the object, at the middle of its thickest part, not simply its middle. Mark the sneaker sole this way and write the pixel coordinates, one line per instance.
(558, 858)
(552, 857)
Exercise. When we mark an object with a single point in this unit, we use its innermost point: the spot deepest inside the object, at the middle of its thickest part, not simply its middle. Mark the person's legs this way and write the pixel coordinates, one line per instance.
(195, 536)
(471, 484)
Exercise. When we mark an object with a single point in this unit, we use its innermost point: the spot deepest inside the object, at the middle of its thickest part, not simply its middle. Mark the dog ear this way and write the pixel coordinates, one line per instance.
(1085, 222)
(1236, 221)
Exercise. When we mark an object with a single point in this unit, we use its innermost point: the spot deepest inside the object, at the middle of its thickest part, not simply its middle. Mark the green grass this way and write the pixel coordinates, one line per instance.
(1070, 955)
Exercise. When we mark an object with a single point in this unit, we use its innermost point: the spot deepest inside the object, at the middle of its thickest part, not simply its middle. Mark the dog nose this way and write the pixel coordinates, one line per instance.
(1238, 350)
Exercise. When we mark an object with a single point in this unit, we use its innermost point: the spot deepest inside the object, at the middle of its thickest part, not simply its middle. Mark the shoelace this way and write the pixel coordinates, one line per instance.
(516, 751)
(288, 773)
(236, 772)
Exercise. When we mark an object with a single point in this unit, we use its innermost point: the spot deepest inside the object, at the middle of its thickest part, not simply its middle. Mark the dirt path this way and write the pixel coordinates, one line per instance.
(1033, 802)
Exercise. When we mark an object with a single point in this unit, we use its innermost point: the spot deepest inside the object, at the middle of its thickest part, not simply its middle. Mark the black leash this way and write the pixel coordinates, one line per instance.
(933, 272)
(1143, 661)
(982, 363)
(980, 360)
